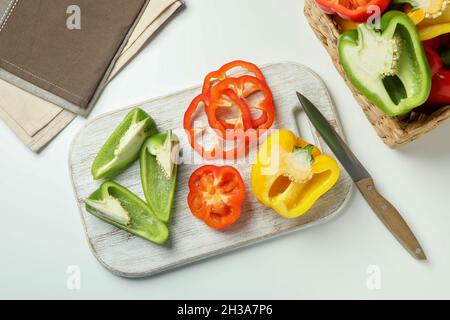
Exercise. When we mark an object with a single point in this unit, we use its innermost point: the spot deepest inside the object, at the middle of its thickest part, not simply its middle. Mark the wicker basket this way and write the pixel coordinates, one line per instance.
(394, 131)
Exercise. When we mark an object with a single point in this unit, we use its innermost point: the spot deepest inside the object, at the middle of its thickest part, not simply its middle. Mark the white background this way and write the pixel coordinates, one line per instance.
(41, 232)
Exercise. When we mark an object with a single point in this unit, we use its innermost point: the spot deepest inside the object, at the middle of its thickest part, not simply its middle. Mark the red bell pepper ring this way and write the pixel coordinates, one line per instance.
(216, 195)
(354, 10)
(440, 81)
(195, 134)
(229, 128)
(243, 87)
(223, 73)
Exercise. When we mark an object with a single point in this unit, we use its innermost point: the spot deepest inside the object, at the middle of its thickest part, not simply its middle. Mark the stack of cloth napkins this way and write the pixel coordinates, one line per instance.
(56, 57)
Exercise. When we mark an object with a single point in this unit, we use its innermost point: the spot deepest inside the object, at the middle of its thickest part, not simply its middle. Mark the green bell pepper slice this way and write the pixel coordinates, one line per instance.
(120, 207)
(389, 66)
(122, 148)
(159, 172)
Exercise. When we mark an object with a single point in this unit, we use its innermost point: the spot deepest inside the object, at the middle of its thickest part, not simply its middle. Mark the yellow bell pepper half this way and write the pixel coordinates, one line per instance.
(289, 175)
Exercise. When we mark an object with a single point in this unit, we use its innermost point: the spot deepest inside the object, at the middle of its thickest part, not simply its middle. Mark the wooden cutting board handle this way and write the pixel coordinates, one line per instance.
(391, 218)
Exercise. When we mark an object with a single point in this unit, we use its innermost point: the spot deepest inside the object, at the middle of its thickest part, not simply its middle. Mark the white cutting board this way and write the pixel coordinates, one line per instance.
(190, 239)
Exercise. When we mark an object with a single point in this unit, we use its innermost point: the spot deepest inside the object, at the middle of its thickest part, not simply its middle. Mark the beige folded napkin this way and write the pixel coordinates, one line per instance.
(36, 121)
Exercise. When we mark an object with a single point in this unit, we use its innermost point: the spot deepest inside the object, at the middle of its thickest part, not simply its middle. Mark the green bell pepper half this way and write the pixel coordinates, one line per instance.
(388, 66)
(120, 207)
(122, 148)
(159, 172)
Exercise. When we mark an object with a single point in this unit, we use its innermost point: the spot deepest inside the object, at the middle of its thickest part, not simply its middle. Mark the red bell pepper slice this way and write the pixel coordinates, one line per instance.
(221, 98)
(354, 10)
(229, 128)
(223, 73)
(196, 134)
(216, 195)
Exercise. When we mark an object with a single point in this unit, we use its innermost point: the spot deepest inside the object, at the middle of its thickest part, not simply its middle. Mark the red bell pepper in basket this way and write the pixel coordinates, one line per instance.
(440, 82)
(354, 10)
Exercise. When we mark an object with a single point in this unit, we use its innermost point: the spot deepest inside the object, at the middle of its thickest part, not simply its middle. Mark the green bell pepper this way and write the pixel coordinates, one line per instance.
(118, 206)
(389, 66)
(123, 146)
(159, 172)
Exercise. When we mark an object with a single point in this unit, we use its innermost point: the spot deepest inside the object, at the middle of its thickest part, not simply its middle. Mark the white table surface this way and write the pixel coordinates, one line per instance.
(42, 233)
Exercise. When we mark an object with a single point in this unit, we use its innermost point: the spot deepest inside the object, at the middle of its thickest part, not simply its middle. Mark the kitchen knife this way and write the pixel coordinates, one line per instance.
(385, 211)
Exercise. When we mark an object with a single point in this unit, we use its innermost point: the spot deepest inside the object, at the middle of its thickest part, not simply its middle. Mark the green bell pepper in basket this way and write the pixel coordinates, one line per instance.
(120, 207)
(159, 168)
(123, 146)
(388, 66)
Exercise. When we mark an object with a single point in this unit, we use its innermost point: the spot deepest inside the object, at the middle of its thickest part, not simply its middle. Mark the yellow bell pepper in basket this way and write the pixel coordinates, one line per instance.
(432, 17)
(432, 28)
(289, 175)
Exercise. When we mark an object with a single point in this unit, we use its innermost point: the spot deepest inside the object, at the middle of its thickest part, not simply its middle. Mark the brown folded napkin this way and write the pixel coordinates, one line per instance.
(34, 119)
(67, 66)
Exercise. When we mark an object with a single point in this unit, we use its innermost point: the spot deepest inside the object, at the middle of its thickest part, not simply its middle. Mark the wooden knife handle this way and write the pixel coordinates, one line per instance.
(391, 218)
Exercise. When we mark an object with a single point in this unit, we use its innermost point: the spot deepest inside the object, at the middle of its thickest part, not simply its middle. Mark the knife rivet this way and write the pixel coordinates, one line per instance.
(370, 187)
(418, 250)
(384, 206)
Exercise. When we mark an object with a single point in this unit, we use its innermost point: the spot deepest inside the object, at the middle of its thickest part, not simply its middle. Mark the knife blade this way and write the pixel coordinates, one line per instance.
(385, 211)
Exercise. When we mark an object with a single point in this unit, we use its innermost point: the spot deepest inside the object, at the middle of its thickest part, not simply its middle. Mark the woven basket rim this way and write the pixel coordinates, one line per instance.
(393, 130)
